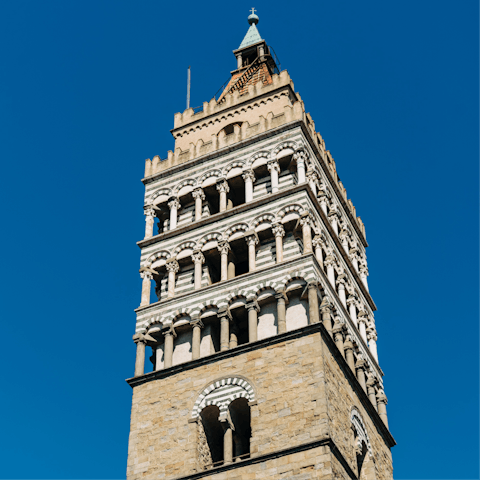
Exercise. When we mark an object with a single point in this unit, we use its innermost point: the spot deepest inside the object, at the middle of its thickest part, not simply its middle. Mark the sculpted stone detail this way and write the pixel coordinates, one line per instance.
(203, 450)
(174, 203)
(249, 175)
(278, 230)
(222, 186)
(198, 193)
(172, 266)
(197, 257)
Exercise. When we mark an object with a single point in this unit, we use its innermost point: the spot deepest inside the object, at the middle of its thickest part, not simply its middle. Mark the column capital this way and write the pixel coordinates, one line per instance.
(281, 294)
(197, 257)
(312, 175)
(273, 165)
(362, 317)
(198, 193)
(326, 306)
(300, 156)
(381, 397)
(306, 218)
(278, 230)
(224, 312)
(338, 325)
(149, 211)
(222, 186)
(248, 175)
(341, 279)
(173, 202)
(172, 265)
(169, 331)
(251, 238)
(360, 362)
(253, 305)
(318, 241)
(372, 335)
(197, 322)
(146, 273)
(143, 338)
(223, 247)
(371, 381)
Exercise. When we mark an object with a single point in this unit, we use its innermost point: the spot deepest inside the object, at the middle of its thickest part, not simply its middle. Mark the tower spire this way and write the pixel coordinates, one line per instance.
(252, 36)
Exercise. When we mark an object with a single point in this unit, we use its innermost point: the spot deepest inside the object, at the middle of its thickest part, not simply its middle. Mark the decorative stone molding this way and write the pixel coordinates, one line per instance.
(222, 393)
(198, 193)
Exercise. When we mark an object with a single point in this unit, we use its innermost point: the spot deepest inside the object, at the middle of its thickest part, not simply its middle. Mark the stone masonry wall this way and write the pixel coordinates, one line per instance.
(290, 410)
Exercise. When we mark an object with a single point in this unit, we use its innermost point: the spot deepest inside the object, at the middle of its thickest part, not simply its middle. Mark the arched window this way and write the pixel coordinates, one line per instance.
(362, 447)
(223, 417)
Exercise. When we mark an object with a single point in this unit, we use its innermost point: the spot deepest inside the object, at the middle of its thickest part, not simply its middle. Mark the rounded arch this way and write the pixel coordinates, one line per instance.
(289, 212)
(179, 188)
(162, 254)
(222, 392)
(252, 161)
(209, 237)
(284, 149)
(209, 178)
(267, 218)
(188, 245)
(231, 167)
(293, 279)
(235, 231)
(160, 196)
(360, 429)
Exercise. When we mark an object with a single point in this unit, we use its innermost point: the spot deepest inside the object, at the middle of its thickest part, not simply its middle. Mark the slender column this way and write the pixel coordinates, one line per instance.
(223, 189)
(198, 260)
(338, 335)
(317, 245)
(343, 236)
(362, 324)
(364, 272)
(227, 443)
(233, 337)
(300, 157)
(281, 312)
(252, 240)
(348, 347)
(341, 280)
(274, 169)
(360, 366)
(306, 223)
(199, 197)
(172, 267)
(352, 305)
(312, 177)
(149, 212)
(141, 342)
(354, 257)
(239, 61)
(330, 263)
(225, 319)
(279, 233)
(333, 216)
(249, 178)
(372, 341)
(323, 199)
(326, 309)
(253, 310)
(313, 311)
(197, 326)
(174, 205)
(382, 406)
(223, 248)
(231, 267)
(147, 277)
(371, 391)
(168, 348)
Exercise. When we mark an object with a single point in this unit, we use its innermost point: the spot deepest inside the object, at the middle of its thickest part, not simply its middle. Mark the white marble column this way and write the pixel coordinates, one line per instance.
(253, 310)
(252, 241)
(364, 272)
(197, 326)
(172, 267)
(317, 243)
(362, 325)
(141, 342)
(223, 248)
(147, 278)
(330, 263)
(281, 312)
(223, 189)
(149, 212)
(249, 178)
(341, 289)
(312, 178)
(169, 336)
(372, 341)
(333, 217)
(306, 223)
(274, 169)
(343, 236)
(174, 206)
(278, 232)
(225, 318)
(382, 406)
(352, 306)
(300, 158)
(323, 203)
(199, 197)
(198, 260)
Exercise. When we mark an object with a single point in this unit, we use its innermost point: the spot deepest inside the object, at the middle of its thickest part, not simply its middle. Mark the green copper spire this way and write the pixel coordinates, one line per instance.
(252, 35)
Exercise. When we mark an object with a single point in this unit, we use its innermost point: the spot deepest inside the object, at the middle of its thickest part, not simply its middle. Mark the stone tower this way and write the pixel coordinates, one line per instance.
(262, 328)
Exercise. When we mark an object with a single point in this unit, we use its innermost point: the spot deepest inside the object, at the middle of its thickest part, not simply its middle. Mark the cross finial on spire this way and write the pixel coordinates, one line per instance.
(253, 11)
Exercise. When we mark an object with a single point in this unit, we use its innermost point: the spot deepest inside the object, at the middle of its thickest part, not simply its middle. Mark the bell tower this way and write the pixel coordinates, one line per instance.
(260, 327)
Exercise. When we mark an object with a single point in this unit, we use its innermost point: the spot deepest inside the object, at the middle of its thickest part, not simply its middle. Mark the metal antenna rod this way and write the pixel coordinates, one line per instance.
(188, 87)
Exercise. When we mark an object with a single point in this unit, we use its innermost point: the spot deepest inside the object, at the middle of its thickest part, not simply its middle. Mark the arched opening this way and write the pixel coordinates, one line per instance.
(239, 411)
(210, 441)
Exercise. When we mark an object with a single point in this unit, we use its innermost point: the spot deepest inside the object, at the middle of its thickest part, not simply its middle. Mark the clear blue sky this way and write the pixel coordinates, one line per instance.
(88, 91)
